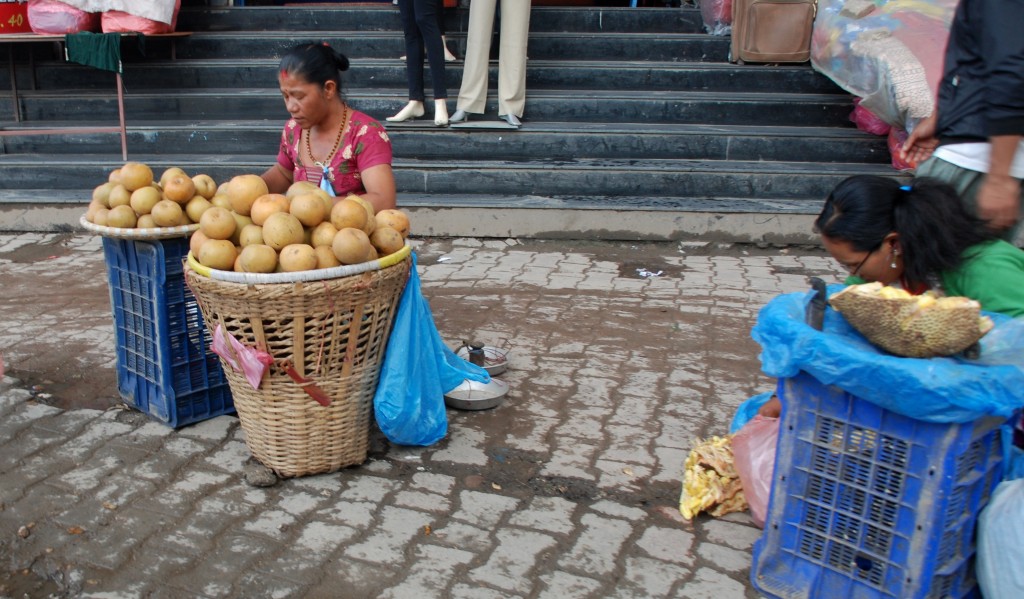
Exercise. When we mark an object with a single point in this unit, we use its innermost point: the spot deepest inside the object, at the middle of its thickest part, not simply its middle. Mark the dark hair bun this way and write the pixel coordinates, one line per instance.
(341, 60)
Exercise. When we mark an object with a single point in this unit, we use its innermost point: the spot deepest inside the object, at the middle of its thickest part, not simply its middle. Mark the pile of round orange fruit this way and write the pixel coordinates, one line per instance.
(245, 228)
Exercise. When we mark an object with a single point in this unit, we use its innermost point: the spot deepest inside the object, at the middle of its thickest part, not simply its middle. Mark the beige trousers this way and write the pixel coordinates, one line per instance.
(515, 27)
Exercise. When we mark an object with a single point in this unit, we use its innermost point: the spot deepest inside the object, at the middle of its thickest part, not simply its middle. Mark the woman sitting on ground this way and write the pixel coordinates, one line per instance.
(917, 237)
(326, 142)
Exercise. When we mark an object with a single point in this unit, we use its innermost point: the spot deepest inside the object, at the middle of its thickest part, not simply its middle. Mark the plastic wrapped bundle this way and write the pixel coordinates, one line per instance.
(116, 21)
(884, 51)
(717, 16)
(55, 18)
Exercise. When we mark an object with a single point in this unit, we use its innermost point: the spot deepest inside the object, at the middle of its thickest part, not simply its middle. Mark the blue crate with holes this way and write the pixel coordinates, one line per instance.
(868, 503)
(165, 364)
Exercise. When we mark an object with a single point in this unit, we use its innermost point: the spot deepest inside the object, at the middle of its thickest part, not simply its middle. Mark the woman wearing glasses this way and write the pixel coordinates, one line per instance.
(919, 237)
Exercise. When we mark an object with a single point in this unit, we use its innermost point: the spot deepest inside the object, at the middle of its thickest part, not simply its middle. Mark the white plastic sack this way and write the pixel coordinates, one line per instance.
(1000, 553)
(156, 10)
(57, 18)
(888, 52)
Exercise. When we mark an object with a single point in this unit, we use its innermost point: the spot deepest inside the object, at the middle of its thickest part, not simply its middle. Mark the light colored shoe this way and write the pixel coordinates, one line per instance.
(441, 113)
(412, 110)
(448, 56)
(511, 119)
(460, 116)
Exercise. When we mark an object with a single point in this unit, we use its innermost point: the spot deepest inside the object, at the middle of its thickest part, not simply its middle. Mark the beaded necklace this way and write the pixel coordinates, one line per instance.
(325, 165)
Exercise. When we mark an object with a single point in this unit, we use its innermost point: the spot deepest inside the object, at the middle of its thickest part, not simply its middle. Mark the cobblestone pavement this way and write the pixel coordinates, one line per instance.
(568, 489)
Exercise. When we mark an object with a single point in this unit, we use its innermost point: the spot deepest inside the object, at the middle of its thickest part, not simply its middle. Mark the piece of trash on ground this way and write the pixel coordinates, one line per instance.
(710, 481)
(643, 272)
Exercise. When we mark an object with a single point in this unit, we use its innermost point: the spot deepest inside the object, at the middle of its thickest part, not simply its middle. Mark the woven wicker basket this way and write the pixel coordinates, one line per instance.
(333, 333)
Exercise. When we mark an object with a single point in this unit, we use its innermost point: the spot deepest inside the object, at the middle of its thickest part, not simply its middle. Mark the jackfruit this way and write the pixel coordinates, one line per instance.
(922, 326)
(710, 481)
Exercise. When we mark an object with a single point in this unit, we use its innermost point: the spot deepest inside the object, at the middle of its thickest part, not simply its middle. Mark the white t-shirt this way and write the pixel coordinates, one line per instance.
(975, 157)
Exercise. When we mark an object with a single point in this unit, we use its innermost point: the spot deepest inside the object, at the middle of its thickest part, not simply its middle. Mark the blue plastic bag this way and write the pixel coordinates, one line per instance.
(418, 370)
(1013, 456)
(748, 409)
(946, 390)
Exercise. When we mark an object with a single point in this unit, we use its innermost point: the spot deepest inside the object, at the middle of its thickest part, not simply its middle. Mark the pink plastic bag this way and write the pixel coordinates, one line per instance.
(717, 16)
(240, 357)
(56, 18)
(897, 137)
(753, 451)
(116, 21)
(867, 121)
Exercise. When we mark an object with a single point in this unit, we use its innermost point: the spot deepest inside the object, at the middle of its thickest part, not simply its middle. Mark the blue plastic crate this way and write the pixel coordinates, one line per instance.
(868, 503)
(165, 365)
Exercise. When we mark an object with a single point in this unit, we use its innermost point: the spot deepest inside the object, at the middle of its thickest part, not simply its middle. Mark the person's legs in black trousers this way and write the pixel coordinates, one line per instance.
(426, 16)
(413, 49)
(419, 20)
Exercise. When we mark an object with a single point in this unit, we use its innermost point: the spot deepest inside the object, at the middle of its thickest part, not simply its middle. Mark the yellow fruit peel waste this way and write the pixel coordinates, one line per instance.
(710, 481)
(921, 326)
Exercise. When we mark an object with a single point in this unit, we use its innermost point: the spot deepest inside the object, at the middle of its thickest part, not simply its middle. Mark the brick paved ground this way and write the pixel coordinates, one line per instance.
(568, 489)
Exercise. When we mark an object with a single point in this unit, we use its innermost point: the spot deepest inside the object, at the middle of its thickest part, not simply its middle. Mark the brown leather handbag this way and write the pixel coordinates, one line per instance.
(772, 30)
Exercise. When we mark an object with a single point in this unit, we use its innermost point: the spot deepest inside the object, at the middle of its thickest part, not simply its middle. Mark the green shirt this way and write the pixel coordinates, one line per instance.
(992, 273)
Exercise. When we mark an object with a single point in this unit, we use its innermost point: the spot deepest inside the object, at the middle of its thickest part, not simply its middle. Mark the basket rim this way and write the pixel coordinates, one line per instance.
(255, 278)
(121, 233)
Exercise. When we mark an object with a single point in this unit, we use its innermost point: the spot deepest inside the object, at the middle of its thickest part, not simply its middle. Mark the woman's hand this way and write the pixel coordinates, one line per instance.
(999, 195)
(379, 182)
(999, 201)
(771, 408)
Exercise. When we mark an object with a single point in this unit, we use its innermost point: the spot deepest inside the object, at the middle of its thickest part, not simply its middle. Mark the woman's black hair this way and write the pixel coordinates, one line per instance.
(934, 227)
(316, 63)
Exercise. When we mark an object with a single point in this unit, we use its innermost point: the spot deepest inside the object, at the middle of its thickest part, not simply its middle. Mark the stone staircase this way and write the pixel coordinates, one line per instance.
(636, 126)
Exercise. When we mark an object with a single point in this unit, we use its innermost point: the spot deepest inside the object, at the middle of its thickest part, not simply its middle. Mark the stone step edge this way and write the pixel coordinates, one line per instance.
(315, 34)
(27, 162)
(531, 128)
(389, 93)
(609, 64)
(721, 204)
(524, 222)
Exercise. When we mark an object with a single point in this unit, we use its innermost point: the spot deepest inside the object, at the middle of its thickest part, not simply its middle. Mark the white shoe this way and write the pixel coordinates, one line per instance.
(412, 110)
(448, 56)
(441, 113)
(511, 119)
(460, 116)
